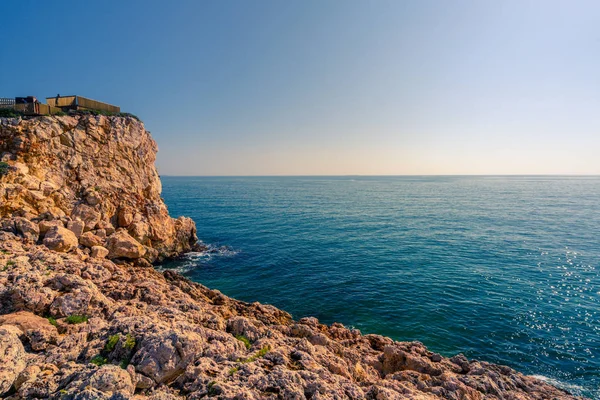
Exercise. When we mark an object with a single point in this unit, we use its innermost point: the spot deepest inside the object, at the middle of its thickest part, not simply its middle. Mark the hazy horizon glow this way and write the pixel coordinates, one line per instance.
(329, 87)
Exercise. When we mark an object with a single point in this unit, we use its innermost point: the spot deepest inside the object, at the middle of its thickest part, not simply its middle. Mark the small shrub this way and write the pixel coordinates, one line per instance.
(60, 114)
(263, 351)
(112, 342)
(4, 168)
(76, 319)
(244, 340)
(129, 342)
(9, 263)
(128, 115)
(212, 390)
(99, 360)
(125, 362)
(232, 371)
(10, 113)
(105, 113)
(256, 356)
(52, 321)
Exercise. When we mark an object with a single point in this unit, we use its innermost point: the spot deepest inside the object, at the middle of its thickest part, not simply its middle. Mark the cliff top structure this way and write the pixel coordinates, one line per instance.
(75, 102)
(30, 105)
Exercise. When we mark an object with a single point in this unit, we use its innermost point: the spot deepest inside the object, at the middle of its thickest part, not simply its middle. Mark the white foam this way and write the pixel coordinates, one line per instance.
(570, 387)
(191, 260)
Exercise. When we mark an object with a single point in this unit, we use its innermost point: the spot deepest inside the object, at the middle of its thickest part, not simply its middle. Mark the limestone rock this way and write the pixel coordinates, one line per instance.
(99, 252)
(76, 226)
(44, 226)
(37, 329)
(88, 239)
(88, 215)
(107, 227)
(96, 169)
(125, 217)
(121, 245)
(163, 356)
(111, 379)
(183, 340)
(28, 229)
(60, 239)
(12, 355)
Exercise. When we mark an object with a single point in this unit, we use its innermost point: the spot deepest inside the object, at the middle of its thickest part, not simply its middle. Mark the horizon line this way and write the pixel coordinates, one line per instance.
(380, 175)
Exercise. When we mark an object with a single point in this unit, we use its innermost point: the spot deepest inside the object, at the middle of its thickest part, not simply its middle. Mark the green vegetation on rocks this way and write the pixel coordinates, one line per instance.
(129, 342)
(76, 319)
(261, 353)
(244, 340)
(112, 342)
(9, 113)
(4, 168)
(98, 360)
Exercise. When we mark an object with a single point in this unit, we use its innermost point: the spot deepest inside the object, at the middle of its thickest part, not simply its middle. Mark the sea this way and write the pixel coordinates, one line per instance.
(504, 269)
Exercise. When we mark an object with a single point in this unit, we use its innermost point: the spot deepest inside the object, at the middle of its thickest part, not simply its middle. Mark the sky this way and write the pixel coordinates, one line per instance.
(323, 87)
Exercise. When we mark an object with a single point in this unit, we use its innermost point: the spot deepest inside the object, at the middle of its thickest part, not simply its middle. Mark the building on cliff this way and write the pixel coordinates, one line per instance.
(31, 106)
(76, 103)
(28, 105)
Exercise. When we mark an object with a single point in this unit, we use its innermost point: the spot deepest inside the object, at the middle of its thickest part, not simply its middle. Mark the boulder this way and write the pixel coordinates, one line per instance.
(60, 239)
(165, 355)
(121, 245)
(93, 198)
(37, 329)
(76, 227)
(28, 229)
(139, 231)
(87, 214)
(396, 358)
(88, 239)
(44, 226)
(241, 326)
(99, 252)
(111, 379)
(108, 228)
(12, 355)
(125, 217)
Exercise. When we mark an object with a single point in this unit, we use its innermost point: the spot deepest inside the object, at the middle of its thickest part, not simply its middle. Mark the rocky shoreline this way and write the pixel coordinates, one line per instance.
(83, 315)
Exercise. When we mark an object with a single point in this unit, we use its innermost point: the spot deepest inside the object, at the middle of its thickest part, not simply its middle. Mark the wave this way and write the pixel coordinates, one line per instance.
(569, 387)
(192, 260)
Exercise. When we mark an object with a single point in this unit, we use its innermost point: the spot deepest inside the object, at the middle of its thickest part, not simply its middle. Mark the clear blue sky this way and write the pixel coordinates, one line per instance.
(328, 87)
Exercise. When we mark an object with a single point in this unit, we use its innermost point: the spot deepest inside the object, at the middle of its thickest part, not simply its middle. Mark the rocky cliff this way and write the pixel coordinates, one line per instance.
(88, 181)
(77, 325)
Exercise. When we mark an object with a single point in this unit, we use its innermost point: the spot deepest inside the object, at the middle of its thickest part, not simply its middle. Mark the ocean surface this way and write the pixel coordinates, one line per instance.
(502, 269)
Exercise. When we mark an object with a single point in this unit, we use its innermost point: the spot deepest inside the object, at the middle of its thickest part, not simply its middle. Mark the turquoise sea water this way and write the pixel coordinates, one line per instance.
(502, 269)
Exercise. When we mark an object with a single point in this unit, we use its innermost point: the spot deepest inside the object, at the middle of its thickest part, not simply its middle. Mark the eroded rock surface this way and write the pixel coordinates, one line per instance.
(85, 174)
(147, 333)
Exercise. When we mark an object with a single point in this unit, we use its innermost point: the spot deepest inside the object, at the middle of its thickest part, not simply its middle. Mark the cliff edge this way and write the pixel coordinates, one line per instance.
(92, 176)
(84, 316)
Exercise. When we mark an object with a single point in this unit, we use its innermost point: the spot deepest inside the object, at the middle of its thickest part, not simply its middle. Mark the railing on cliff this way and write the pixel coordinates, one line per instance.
(7, 102)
